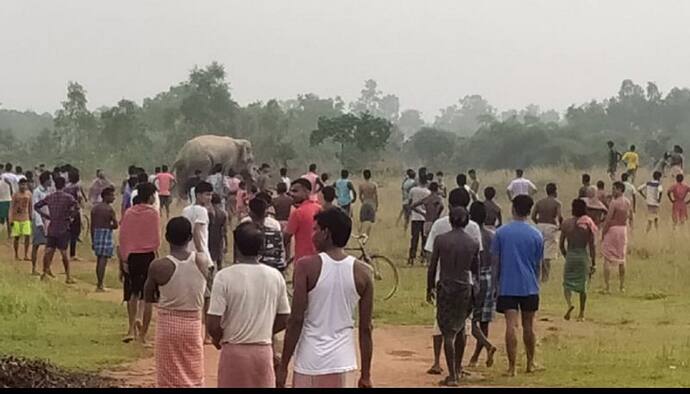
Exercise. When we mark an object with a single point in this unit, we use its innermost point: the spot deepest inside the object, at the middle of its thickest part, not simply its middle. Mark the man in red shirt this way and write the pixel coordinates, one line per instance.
(165, 182)
(301, 221)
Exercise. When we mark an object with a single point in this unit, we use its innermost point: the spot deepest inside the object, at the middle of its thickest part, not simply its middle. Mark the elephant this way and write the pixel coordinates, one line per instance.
(206, 151)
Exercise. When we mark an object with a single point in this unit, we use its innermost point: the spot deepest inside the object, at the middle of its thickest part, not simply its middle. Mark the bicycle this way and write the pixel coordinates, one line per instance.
(386, 276)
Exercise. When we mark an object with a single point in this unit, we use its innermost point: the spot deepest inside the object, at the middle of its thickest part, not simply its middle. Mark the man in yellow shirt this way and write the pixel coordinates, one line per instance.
(632, 160)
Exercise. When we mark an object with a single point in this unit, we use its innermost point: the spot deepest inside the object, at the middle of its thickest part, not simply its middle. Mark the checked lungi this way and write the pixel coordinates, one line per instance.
(103, 242)
(179, 349)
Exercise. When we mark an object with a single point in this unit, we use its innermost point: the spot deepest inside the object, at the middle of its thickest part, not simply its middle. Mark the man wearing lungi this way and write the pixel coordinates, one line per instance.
(103, 223)
(548, 218)
(615, 235)
(457, 254)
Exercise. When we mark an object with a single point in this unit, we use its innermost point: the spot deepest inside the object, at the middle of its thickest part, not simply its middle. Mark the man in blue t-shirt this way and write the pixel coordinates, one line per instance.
(519, 247)
(345, 192)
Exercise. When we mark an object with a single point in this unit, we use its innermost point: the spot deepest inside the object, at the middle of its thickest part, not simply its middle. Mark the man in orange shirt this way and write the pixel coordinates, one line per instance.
(301, 221)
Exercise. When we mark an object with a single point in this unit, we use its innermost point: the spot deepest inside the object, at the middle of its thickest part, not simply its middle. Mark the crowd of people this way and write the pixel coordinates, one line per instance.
(478, 262)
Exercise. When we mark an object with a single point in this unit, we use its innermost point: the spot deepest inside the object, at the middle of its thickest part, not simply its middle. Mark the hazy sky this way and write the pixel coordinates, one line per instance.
(428, 52)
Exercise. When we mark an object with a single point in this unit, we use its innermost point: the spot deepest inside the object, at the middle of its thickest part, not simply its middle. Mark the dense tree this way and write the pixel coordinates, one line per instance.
(410, 122)
(464, 117)
(376, 103)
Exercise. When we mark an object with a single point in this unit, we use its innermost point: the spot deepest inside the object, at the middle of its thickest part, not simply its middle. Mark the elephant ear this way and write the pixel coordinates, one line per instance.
(245, 152)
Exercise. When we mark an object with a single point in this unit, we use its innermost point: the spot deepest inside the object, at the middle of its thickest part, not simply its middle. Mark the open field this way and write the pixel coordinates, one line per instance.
(640, 338)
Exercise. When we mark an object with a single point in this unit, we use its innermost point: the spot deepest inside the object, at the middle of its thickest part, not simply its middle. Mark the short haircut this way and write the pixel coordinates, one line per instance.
(579, 207)
(324, 177)
(258, 206)
(472, 171)
(632, 148)
(458, 217)
(624, 177)
(215, 199)
(23, 181)
(302, 182)
(657, 175)
(312, 167)
(489, 192)
(519, 172)
(609, 143)
(283, 171)
(433, 187)
(19, 170)
(344, 173)
(338, 224)
(248, 238)
(461, 179)
(203, 187)
(264, 196)
(8, 167)
(459, 198)
(619, 186)
(44, 177)
(178, 231)
(73, 175)
(679, 178)
(328, 193)
(142, 177)
(439, 173)
(136, 200)
(601, 185)
(281, 187)
(132, 170)
(523, 205)
(164, 168)
(131, 182)
(551, 189)
(410, 173)
(586, 178)
(107, 191)
(157, 170)
(478, 212)
(265, 165)
(366, 174)
(145, 191)
(59, 182)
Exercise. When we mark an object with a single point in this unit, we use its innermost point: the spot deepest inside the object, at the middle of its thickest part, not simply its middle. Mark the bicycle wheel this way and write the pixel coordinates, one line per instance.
(386, 278)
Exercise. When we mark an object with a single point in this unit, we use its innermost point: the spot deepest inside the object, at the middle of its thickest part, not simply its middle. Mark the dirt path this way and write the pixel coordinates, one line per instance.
(402, 354)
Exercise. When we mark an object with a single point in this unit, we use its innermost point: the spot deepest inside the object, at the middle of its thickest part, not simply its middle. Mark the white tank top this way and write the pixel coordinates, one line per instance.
(185, 289)
(326, 344)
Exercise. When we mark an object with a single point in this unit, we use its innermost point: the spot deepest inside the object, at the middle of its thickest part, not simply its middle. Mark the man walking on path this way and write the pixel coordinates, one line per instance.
(548, 218)
(180, 279)
(61, 208)
(519, 247)
(456, 255)
(417, 217)
(368, 194)
(652, 192)
(249, 304)
(165, 182)
(328, 288)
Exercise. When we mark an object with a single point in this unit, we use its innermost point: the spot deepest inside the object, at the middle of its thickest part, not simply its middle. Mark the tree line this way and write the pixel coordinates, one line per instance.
(370, 131)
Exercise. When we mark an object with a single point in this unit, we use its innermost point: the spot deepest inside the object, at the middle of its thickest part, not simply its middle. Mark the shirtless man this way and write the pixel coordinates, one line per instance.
(548, 218)
(456, 254)
(368, 195)
(615, 235)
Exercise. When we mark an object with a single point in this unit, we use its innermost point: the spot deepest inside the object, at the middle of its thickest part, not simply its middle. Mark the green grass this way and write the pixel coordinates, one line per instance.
(63, 325)
(640, 338)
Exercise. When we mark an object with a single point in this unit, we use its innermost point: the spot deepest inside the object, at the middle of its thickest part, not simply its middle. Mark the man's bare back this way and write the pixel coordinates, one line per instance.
(547, 210)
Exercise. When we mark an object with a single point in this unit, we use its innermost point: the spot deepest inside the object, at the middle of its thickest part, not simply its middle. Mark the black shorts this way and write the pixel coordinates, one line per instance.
(138, 264)
(59, 242)
(524, 304)
(165, 201)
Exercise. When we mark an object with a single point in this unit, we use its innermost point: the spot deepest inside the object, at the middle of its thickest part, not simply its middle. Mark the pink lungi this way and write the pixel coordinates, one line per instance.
(331, 380)
(615, 244)
(179, 349)
(246, 366)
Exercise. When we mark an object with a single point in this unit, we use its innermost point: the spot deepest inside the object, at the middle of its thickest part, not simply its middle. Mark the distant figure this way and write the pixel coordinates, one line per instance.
(677, 194)
(408, 183)
(461, 180)
(614, 158)
(369, 196)
(601, 193)
(21, 211)
(282, 204)
(595, 208)
(97, 186)
(474, 182)
(632, 162)
(191, 184)
(103, 224)
(328, 194)
(283, 176)
(40, 225)
(578, 234)
(217, 234)
(433, 207)
(630, 192)
(676, 161)
(441, 186)
(586, 185)
(165, 183)
(520, 186)
(263, 181)
(5, 201)
(652, 192)
(314, 181)
(548, 218)
(345, 192)
(494, 218)
(417, 217)
(456, 255)
(519, 247)
(615, 235)
(662, 164)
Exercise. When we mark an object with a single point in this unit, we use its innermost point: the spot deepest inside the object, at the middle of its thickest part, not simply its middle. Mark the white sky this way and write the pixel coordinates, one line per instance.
(428, 52)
